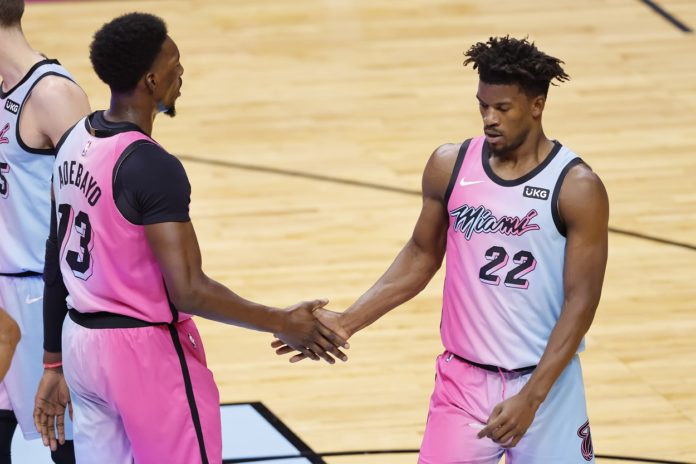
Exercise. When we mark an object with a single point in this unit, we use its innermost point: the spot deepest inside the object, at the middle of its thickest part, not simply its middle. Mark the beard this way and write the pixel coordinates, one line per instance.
(168, 110)
(171, 111)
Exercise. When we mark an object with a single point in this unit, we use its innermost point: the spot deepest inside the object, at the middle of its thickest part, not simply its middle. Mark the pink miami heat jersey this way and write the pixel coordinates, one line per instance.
(106, 261)
(505, 254)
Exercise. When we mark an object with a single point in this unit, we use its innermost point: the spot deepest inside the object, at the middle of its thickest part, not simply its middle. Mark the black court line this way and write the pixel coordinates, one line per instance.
(303, 448)
(668, 16)
(385, 188)
(414, 451)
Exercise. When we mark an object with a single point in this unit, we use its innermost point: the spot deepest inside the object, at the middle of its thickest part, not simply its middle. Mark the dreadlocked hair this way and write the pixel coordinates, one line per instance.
(506, 60)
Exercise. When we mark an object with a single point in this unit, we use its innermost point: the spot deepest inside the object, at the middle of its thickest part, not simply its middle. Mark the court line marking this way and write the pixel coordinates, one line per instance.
(386, 188)
(668, 16)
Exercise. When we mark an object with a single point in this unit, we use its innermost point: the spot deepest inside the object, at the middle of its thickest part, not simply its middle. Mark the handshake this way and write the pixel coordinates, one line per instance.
(311, 331)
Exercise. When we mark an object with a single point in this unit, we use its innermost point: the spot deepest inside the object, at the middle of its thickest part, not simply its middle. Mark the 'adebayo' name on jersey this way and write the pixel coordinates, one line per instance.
(73, 173)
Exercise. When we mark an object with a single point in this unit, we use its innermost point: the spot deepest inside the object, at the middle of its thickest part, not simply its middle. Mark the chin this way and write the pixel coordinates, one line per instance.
(171, 111)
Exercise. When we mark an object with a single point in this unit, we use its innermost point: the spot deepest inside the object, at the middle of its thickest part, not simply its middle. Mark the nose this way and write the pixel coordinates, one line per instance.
(490, 118)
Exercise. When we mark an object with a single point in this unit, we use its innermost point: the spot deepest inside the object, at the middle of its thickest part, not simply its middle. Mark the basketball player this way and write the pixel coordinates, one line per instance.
(40, 101)
(122, 240)
(523, 223)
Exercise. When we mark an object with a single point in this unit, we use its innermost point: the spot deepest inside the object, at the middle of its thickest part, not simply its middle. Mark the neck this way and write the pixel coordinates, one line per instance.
(130, 107)
(16, 56)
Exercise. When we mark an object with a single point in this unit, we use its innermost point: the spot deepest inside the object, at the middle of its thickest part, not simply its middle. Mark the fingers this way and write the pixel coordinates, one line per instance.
(284, 350)
(318, 348)
(297, 358)
(331, 347)
(52, 442)
(277, 343)
(60, 425)
(316, 304)
(494, 421)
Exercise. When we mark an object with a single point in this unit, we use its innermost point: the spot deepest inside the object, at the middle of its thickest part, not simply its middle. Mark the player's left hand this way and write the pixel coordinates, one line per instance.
(51, 400)
(509, 421)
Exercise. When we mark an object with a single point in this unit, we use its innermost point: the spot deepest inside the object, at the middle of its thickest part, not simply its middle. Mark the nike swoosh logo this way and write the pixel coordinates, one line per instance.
(33, 300)
(464, 183)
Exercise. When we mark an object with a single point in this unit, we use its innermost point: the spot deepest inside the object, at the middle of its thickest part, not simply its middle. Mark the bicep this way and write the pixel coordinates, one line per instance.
(430, 232)
(585, 210)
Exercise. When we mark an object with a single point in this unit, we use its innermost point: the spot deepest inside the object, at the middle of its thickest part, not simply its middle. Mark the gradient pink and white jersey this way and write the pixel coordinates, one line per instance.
(505, 254)
(106, 261)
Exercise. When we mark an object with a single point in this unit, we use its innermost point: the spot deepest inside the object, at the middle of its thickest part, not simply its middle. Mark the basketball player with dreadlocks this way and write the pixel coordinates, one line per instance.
(523, 223)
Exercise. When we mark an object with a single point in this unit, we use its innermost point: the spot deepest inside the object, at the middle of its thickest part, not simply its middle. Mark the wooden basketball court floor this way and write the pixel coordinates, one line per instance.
(304, 127)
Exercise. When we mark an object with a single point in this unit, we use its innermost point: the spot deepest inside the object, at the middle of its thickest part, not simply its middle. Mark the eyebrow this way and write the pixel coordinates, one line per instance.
(500, 103)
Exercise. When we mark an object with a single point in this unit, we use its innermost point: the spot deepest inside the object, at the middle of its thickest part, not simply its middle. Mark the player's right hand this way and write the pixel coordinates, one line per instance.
(304, 333)
(51, 400)
(329, 319)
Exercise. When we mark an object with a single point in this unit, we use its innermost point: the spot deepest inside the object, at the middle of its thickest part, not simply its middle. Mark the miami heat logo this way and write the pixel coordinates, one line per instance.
(3, 131)
(586, 446)
(469, 220)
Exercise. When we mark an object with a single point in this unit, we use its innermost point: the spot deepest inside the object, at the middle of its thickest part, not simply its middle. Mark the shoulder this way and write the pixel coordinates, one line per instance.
(150, 158)
(438, 170)
(583, 195)
(53, 88)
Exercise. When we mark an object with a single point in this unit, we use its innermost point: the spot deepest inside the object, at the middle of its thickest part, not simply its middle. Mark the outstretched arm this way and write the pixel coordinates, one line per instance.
(176, 249)
(416, 263)
(584, 207)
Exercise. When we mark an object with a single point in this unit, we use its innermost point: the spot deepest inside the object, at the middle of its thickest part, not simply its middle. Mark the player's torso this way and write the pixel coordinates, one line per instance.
(106, 261)
(25, 178)
(505, 255)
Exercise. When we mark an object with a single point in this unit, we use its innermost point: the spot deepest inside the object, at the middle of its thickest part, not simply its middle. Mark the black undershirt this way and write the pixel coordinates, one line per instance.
(150, 187)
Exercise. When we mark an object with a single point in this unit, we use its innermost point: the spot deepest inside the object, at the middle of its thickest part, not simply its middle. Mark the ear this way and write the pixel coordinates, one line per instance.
(150, 81)
(538, 103)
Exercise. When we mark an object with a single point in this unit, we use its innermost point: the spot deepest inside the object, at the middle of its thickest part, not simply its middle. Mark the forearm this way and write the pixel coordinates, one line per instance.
(54, 304)
(408, 275)
(212, 300)
(563, 343)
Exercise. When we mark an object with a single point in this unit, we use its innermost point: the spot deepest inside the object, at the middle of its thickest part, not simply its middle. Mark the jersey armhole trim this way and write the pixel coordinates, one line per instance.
(555, 210)
(25, 147)
(455, 172)
(29, 73)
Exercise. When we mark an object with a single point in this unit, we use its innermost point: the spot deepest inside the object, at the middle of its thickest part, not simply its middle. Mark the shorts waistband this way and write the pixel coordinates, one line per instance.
(105, 320)
(490, 368)
(20, 274)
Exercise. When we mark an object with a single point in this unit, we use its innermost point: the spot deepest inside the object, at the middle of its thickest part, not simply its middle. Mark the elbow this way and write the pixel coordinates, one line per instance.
(187, 296)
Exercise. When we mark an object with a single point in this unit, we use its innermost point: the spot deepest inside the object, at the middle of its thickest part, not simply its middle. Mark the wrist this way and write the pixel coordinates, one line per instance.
(534, 395)
(350, 322)
(277, 320)
(52, 358)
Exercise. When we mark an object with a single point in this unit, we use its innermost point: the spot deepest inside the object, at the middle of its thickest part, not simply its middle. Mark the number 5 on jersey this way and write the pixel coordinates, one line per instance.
(77, 241)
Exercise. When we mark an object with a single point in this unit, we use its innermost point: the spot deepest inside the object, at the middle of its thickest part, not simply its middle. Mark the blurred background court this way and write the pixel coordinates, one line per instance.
(304, 127)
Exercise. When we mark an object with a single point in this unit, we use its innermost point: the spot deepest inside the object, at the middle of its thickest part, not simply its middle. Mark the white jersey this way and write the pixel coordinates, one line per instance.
(505, 257)
(25, 180)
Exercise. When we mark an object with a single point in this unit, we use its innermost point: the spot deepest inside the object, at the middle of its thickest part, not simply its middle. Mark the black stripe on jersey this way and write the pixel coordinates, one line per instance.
(126, 153)
(25, 147)
(555, 211)
(189, 392)
(31, 71)
(455, 171)
(485, 159)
